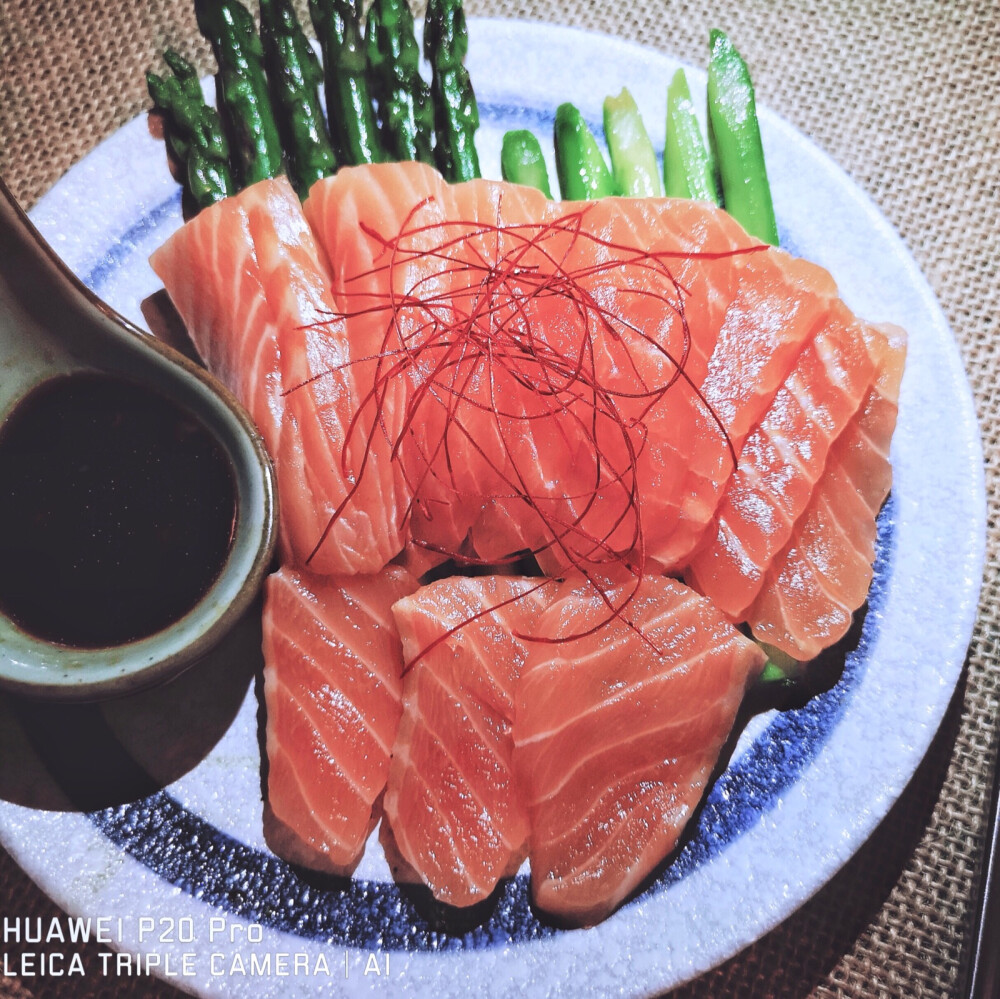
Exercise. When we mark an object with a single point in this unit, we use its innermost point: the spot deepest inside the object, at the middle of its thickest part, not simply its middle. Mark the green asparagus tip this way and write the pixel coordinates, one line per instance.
(180, 66)
(294, 76)
(716, 36)
(185, 74)
(402, 95)
(193, 134)
(349, 105)
(456, 114)
(446, 38)
(241, 85)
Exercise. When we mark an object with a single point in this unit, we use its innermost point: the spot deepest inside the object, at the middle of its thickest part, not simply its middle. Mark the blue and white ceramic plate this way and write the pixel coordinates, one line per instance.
(180, 872)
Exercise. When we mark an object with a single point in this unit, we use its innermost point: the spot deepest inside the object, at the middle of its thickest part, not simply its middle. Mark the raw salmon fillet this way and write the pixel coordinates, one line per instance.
(822, 576)
(616, 735)
(346, 212)
(332, 694)
(780, 463)
(780, 306)
(251, 285)
(403, 302)
(658, 276)
(456, 815)
(689, 347)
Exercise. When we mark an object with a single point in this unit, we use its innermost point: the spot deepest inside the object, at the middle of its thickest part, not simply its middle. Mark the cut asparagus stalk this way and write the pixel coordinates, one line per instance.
(688, 171)
(241, 88)
(583, 172)
(521, 161)
(402, 95)
(736, 134)
(193, 133)
(349, 109)
(633, 158)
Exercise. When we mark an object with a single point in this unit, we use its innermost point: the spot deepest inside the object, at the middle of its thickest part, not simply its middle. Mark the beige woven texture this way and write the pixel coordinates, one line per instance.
(906, 97)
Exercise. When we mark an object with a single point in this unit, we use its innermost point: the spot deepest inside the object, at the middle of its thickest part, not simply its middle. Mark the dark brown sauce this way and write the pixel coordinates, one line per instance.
(117, 511)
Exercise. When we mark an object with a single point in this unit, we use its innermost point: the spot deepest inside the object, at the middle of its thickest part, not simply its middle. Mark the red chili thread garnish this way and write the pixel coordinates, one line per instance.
(461, 339)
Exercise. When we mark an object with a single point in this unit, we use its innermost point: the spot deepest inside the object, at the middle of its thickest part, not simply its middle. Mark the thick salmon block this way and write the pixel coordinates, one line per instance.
(457, 817)
(253, 288)
(822, 576)
(781, 462)
(332, 693)
(616, 734)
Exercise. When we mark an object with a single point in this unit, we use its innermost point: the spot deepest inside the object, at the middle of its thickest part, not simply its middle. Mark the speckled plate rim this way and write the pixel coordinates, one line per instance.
(919, 631)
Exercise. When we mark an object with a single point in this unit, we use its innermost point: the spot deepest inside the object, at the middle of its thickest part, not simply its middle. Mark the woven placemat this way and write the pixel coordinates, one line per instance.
(906, 97)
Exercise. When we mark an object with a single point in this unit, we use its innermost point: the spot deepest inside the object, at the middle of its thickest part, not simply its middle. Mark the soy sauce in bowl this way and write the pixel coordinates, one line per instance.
(117, 511)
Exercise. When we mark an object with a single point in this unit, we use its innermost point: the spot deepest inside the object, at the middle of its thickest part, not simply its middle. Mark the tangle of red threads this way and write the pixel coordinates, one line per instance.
(479, 332)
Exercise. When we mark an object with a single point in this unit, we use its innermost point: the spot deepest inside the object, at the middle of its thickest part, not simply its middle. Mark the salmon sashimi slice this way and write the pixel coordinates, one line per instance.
(343, 522)
(778, 308)
(660, 275)
(822, 576)
(332, 695)
(595, 320)
(460, 448)
(410, 258)
(409, 306)
(210, 270)
(225, 307)
(781, 462)
(617, 733)
(390, 297)
(250, 284)
(737, 346)
(780, 305)
(457, 818)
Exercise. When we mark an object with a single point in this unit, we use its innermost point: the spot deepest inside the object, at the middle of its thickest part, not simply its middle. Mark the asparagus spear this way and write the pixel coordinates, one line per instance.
(241, 87)
(688, 171)
(193, 132)
(582, 171)
(348, 100)
(633, 158)
(294, 75)
(521, 161)
(402, 95)
(456, 115)
(736, 134)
